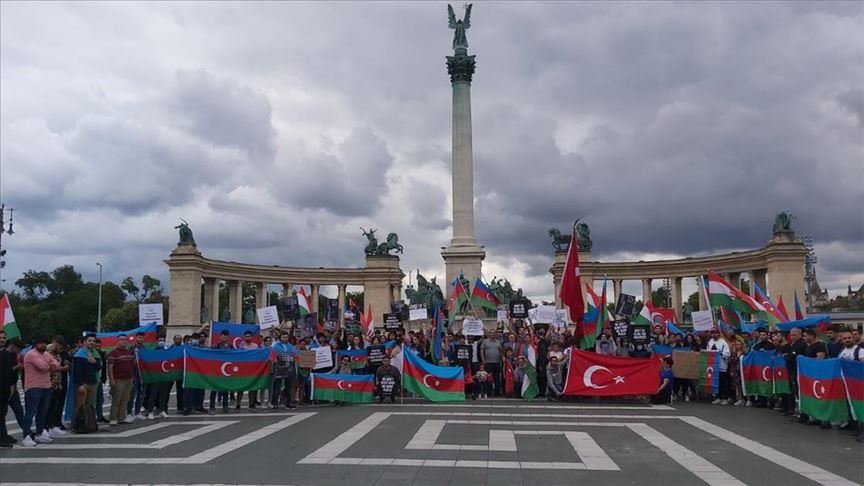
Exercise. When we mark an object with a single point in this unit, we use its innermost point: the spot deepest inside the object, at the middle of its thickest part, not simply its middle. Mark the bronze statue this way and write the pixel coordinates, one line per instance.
(372, 242)
(460, 40)
(392, 243)
(503, 289)
(583, 232)
(186, 237)
(427, 294)
(559, 242)
(783, 222)
(375, 249)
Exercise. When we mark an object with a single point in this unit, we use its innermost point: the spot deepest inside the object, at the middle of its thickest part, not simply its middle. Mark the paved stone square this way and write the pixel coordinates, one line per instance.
(498, 442)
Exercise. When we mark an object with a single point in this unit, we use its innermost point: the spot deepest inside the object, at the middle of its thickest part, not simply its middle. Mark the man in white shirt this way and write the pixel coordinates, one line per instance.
(849, 346)
(717, 343)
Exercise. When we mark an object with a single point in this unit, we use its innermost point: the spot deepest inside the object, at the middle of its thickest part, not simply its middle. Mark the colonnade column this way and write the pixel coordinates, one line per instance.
(313, 298)
(211, 299)
(646, 290)
(760, 279)
(676, 298)
(262, 295)
(341, 298)
(735, 279)
(703, 305)
(287, 290)
(616, 285)
(235, 301)
(397, 292)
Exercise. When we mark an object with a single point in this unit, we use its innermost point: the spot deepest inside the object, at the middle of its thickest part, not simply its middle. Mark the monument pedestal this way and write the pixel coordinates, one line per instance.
(465, 260)
(378, 290)
(184, 306)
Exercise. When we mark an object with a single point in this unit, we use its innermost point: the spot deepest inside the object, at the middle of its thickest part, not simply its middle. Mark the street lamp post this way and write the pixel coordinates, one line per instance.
(99, 304)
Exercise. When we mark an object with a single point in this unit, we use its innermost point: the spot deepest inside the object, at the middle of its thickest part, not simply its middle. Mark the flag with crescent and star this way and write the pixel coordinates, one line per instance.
(820, 385)
(235, 333)
(595, 374)
(757, 373)
(434, 383)
(108, 340)
(342, 388)
(160, 365)
(780, 375)
(709, 371)
(853, 378)
(226, 369)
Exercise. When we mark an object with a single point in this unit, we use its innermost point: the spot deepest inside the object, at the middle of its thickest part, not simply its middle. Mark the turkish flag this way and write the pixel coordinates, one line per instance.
(611, 376)
(571, 283)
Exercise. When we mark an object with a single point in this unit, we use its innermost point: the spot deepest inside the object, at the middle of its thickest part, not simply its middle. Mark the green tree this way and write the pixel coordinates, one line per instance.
(34, 285)
(660, 297)
(64, 280)
(693, 300)
(150, 291)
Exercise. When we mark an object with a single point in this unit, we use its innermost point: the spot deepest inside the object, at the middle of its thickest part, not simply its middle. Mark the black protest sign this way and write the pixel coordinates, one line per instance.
(620, 328)
(463, 353)
(639, 334)
(387, 384)
(392, 321)
(519, 309)
(376, 354)
(308, 324)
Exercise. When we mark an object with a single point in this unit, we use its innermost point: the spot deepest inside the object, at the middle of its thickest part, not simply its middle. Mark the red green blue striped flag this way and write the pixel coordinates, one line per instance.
(853, 379)
(160, 365)
(482, 296)
(108, 340)
(435, 383)
(359, 357)
(781, 375)
(227, 369)
(342, 388)
(757, 373)
(709, 371)
(235, 333)
(820, 385)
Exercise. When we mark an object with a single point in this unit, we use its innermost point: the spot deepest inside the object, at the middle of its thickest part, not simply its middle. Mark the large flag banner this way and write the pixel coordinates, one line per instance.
(7, 319)
(592, 329)
(109, 339)
(481, 296)
(458, 298)
(709, 371)
(820, 322)
(571, 282)
(823, 394)
(303, 302)
(529, 383)
(853, 380)
(723, 294)
(235, 333)
(757, 373)
(798, 314)
(435, 383)
(359, 357)
(781, 375)
(610, 376)
(771, 312)
(661, 350)
(227, 369)
(342, 388)
(160, 365)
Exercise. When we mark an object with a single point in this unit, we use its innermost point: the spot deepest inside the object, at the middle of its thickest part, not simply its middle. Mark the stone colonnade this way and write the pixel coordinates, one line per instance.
(778, 269)
(194, 281)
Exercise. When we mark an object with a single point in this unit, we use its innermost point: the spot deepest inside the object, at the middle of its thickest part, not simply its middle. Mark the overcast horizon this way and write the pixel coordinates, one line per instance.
(279, 129)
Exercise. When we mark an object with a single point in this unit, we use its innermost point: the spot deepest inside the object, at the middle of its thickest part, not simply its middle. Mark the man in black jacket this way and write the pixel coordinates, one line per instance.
(8, 379)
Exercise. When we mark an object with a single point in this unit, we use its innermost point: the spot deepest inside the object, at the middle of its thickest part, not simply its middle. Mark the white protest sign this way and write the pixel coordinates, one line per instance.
(503, 315)
(472, 326)
(268, 317)
(149, 313)
(702, 320)
(323, 357)
(560, 319)
(532, 314)
(545, 314)
(417, 314)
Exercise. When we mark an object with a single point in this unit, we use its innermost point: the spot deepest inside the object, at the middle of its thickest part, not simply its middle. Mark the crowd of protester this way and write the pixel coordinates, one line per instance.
(495, 367)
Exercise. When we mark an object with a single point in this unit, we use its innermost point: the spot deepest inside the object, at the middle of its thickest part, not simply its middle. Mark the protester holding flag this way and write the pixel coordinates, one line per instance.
(719, 344)
(120, 364)
(158, 387)
(555, 377)
(248, 343)
(284, 371)
(86, 366)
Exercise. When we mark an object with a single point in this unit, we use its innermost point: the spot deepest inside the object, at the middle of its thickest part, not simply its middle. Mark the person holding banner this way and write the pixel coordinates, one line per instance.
(121, 361)
(224, 343)
(248, 343)
(284, 371)
(717, 343)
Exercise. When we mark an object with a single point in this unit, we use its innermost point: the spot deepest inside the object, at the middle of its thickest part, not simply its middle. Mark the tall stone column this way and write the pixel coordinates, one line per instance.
(752, 274)
(379, 277)
(184, 309)
(262, 294)
(235, 301)
(397, 292)
(703, 304)
(463, 255)
(211, 298)
(761, 280)
(646, 290)
(287, 290)
(617, 284)
(341, 298)
(735, 279)
(677, 304)
(315, 292)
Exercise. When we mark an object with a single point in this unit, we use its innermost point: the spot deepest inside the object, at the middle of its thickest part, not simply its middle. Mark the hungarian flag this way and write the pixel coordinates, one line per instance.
(592, 329)
(367, 325)
(303, 302)
(457, 299)
(109, 339)
(781, 308)
(235, 333)
(359, 357)
(571, 282)
(435, 383)
(821, 388)
(610, 376)
(709, 371)
(529, 382)
(481, 296)
(771, 313)
(781, 375)
(342, 388)
(853, 380)
(723, 294)
(644, 317)
(798, 314)
(7, 319)
(757, 373)
(227, 369)
(160, 365)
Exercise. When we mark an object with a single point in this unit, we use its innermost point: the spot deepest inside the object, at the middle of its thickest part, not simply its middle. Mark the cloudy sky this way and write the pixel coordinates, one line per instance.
(278, 129)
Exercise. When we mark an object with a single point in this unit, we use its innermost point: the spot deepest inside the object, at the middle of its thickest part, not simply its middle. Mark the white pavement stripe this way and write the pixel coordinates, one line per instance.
(590, 452)
(159, 444)
(427, 435)
(340, 444)
(231, 445)
(133, 484)
(688, 459)
(809, 471)
(516, 405)
(533, 415)
(106, 406)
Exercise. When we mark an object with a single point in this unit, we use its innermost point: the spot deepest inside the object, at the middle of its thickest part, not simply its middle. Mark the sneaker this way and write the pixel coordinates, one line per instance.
(44, 438)
(163, 414)
(112, 423)
(140, 416)
(686, 398)
(716, 401)
(128, 420)
(749, 404)
(150, 416)
(725, 402)
(739, 403)
(28, 442)
(55, 432)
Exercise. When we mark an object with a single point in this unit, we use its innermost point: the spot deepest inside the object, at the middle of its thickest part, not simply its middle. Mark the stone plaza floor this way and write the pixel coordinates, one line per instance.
(495, 442)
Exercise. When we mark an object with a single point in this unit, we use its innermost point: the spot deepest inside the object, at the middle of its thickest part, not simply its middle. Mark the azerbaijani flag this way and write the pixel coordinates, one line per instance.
(437, 348)
(590, 330)
(481, 296)
(661, 350)
(671, 328)
(359, 357)
(160, 365)
(303, 302)
(709, 371)
(235, 333)
(226, 369)
(771, 312)
(821, 322)
(7, 319)
(853, 379)
(435, 383)
(798, 314)
(457, 299)
(781, 375)
(723, 294)
(342, 388)
(821, 388)
(109, 339)
(757, 373)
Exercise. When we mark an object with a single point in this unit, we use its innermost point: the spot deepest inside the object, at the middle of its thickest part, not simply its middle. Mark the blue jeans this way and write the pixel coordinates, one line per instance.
(100, 402)
(137, 398)
(17, 409)
(36, 403)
